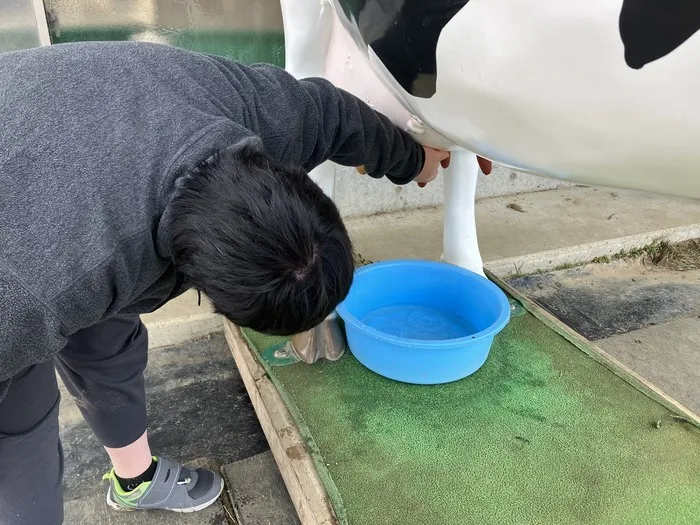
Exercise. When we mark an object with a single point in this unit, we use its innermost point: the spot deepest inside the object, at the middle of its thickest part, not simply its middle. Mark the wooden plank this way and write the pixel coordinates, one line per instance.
(293, 459)
(598, 354)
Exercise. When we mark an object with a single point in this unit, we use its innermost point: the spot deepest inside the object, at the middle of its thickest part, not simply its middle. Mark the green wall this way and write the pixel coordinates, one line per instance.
(247, 47)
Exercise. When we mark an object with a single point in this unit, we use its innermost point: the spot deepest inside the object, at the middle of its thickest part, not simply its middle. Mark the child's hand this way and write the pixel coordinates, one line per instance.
(435, 156)
(433, 159)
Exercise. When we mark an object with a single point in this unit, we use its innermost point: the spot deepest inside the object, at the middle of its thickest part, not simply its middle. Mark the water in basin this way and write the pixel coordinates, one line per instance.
(418, 322)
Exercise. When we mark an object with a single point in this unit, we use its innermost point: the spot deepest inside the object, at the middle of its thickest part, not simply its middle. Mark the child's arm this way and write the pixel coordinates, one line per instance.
(309, 121)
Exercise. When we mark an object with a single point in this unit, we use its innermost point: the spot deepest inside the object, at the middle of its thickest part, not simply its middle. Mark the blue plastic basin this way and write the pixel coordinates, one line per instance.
(422, 322)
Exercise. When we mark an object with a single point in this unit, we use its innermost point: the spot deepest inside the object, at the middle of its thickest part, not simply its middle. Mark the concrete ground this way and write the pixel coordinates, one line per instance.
(647, 318)
(528, 232)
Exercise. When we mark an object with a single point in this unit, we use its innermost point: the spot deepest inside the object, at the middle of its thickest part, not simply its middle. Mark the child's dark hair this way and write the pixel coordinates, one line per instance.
(262, 241)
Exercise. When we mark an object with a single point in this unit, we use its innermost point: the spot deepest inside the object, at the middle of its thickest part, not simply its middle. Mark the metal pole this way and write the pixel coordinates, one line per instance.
(42, 25)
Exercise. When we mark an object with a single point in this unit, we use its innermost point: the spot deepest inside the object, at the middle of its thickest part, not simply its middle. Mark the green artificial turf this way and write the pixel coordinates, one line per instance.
(542, 434)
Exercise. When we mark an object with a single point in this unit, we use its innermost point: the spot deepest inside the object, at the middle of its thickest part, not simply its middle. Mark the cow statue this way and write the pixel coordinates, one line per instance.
(601, 92)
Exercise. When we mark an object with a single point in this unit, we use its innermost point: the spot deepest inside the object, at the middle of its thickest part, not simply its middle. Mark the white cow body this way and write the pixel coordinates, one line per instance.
(538, 85)
(544, 88)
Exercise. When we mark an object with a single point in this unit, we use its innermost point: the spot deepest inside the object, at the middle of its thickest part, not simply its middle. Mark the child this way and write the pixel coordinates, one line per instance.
(131, 172)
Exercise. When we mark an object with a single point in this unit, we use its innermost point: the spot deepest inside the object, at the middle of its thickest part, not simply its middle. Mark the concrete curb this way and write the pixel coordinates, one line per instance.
(182, 329)
(583, 253)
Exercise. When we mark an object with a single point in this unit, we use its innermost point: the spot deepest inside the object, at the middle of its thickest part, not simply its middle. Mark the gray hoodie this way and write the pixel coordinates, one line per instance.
(93, 138)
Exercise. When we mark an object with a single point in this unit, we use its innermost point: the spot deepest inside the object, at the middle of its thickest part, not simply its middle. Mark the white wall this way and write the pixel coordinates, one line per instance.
(358, 195)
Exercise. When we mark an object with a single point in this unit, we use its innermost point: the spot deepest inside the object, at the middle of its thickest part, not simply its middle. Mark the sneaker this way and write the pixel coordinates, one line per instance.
(173, 487)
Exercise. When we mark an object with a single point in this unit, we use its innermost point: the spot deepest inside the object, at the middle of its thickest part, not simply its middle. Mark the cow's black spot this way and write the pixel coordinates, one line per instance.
(651, 29)
(404, 35)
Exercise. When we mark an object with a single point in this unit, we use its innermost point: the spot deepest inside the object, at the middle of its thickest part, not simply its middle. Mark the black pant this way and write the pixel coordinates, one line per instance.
(102, 367)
